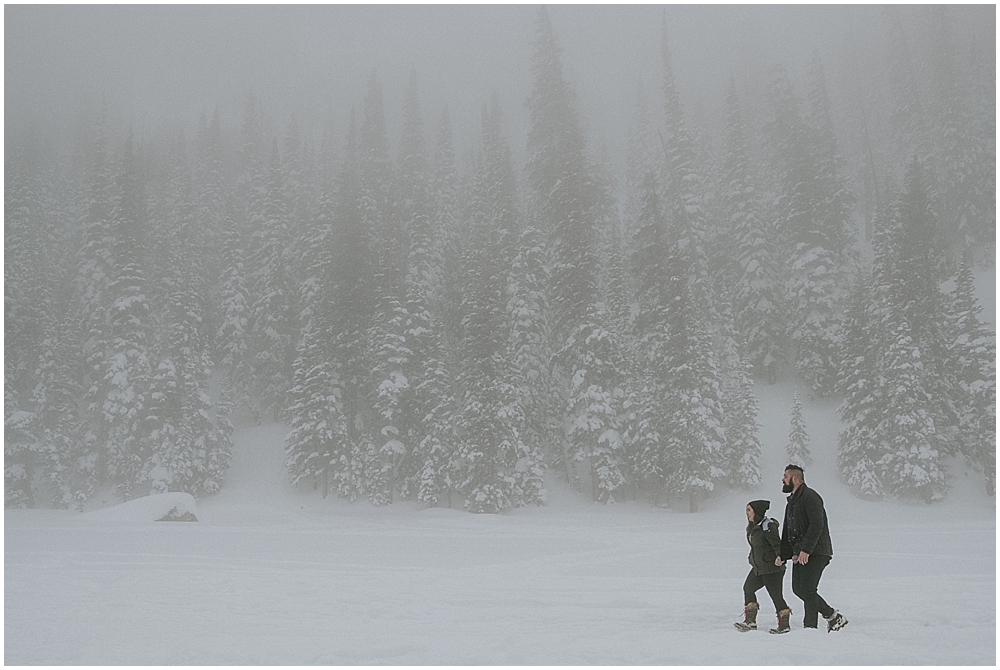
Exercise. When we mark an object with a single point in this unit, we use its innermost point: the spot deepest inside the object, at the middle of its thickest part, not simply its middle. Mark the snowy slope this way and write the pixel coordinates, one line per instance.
(274, 576)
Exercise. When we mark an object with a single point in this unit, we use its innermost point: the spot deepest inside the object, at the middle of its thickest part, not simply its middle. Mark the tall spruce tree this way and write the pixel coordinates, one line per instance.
(910, 138)
(973, 356)
(693, 436)
(445, 193)
(124, 384)
(684, 192)
(642, 158)
(28, 317)
(426, 473)
(919, 268)
(273, 326)
(59, 417)
(813, 224)
(911, 465)
(319, 435)
(93, 281)
(319, 441)
(210, 192)
(561, 193)
(528, 315)
(497, 469)
(755, 278)
(741, 443)
(968, 202)
(353, 311)
(389, 388)
(649, 264)
(859, 385)
(232, 337)
(798, 438)
(898, 410)
(189, 441)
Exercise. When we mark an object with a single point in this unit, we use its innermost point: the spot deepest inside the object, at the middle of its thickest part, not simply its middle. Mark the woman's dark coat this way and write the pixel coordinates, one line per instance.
(765, 545)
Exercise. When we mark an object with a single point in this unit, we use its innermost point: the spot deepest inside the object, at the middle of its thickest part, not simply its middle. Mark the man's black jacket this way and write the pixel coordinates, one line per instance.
(805, 528)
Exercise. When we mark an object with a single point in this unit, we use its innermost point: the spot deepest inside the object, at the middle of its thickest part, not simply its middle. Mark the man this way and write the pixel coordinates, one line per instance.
(805, 539)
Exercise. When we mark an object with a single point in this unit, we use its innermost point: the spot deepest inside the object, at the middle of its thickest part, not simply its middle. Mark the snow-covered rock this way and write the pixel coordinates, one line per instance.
(159, 507)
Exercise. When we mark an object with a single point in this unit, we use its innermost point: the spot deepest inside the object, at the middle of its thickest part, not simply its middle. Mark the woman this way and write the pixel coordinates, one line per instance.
(766, 568)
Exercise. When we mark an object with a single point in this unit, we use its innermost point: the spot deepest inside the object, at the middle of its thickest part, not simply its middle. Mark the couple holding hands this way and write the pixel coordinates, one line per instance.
(805, 540)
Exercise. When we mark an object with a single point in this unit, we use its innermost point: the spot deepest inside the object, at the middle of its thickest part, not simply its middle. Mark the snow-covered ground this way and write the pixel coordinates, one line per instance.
(269, 575)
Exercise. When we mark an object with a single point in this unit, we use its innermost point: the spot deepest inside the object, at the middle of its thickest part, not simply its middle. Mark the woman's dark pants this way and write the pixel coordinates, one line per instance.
(771, 581)
(805, 581)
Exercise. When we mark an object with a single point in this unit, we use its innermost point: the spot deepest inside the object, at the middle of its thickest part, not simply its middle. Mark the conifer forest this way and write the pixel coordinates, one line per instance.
(457, 318)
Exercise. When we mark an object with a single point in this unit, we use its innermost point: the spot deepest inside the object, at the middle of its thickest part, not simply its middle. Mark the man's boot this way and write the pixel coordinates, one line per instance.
(749, 618)
(783, 626)
(835, 621)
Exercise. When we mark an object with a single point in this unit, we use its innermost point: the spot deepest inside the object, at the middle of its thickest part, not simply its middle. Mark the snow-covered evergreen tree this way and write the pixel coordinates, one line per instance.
(319, 438)
(974, 358)
(561, 185)
(210, 193)
(649, 265)
(124, 385)
(93, 280)
(814, 226)
(858, 384)
(798, 437)
(28, 313)
(693, 436)
(919, 267)
(741, 445)
(20, 454)
(684, 187)
(426, 473)
(190, 444)
(491, 453)
(898, 410)
(594, 425)
(911, 466)
(389, 385)
(963, 157)
(69, 473)
(528, 313)
(749, 237)
(273, 326)
(232, 338)
(447, 236)
(497, 469)
(910, 137)
(319, 441)
(352, 309)
(642, 158)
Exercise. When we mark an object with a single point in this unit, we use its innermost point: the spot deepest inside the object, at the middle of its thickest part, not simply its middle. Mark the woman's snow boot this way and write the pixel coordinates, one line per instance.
(783, 626)
(749, 618)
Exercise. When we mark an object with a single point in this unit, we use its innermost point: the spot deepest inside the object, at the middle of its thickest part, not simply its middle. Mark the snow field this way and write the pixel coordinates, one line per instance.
(272, 575)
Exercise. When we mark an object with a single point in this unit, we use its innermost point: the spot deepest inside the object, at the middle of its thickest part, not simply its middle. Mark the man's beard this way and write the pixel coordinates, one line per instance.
(787, 488)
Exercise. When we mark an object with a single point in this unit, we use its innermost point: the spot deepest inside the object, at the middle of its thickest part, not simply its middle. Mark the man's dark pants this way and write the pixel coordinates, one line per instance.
(805, 581)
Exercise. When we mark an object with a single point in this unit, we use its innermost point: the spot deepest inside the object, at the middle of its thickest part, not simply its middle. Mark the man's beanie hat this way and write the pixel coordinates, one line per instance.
(759, 508)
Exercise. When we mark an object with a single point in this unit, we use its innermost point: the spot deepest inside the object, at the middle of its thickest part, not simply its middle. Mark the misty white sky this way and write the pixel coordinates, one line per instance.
(167, 64)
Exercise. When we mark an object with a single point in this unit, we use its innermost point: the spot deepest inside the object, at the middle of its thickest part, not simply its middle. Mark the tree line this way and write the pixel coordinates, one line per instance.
(455, 334)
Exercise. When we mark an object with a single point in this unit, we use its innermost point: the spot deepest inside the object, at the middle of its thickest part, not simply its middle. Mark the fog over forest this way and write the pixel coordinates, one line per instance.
(458, 250)
(159, 67)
